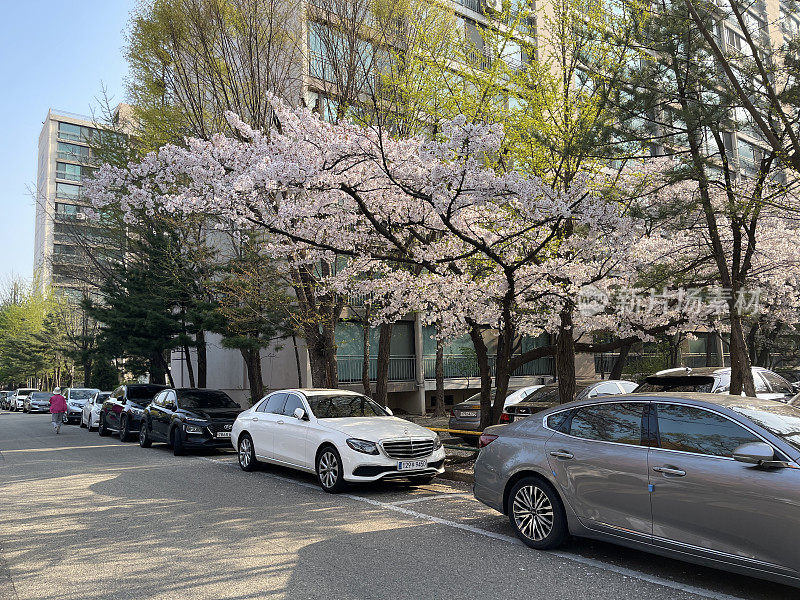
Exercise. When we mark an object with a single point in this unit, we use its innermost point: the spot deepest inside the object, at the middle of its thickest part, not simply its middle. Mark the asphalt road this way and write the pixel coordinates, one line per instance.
(84, 517)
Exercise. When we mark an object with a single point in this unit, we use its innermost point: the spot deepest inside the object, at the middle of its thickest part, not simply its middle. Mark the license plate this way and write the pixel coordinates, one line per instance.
(468, 413)
(412, 465)
(223, 434)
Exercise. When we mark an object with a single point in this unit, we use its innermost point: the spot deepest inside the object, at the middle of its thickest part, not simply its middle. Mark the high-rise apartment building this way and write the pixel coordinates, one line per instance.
(66, 160)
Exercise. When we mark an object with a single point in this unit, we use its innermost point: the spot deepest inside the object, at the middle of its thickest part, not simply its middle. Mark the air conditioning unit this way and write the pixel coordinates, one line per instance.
(79, 216)
(494, 5)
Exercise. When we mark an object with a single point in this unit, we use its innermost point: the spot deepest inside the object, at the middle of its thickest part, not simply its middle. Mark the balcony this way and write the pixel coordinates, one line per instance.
(401, 368)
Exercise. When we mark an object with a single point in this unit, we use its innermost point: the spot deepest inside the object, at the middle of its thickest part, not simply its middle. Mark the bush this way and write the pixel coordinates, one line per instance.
(104, 375)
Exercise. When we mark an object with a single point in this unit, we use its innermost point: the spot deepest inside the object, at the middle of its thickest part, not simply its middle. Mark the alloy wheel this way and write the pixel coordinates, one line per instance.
(328, 469)
(533, 512)
(245, 449)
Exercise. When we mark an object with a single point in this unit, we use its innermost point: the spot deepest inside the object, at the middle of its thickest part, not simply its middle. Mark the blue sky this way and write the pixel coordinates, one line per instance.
(52, 54)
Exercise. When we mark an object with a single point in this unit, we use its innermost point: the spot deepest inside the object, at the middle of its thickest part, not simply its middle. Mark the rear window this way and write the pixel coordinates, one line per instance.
(699, 383)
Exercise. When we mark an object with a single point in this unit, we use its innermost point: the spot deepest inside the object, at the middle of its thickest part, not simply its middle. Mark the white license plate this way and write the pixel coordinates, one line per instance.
(223, 434)
(412, 465)
(468, 413)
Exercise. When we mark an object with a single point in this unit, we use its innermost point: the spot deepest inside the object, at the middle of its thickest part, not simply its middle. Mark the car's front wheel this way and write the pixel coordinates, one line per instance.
(144, 437)
(178, 449)
(124, 432)
(102, 430)
(330, 474)
(247, 454)
(537, 514)
(83, 423)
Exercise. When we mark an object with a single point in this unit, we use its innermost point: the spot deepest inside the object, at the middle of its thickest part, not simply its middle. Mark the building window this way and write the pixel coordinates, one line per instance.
(68, 190)
(74, 152)
(67, 210)
(75, 133)
(68, 171)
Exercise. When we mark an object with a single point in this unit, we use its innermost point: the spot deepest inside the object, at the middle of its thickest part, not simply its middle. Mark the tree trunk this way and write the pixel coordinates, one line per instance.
(619, 363)
(741, 373)
(565, 358)
(202, 359)
(440, 412)
(482, 354)
(158, 372)
(189, 367)
(87, 371)
(384, 353)
(365, 330)
(297, 361)
(252, 361)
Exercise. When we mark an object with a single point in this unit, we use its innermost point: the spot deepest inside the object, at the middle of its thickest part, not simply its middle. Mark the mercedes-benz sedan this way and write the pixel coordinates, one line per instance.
(37, 402)
(709, 478)
(339, 435)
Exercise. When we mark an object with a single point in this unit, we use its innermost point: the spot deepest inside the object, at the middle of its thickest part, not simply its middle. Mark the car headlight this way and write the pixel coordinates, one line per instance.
(363, 446)
(137, 411)
(437, 443)
(192, 428)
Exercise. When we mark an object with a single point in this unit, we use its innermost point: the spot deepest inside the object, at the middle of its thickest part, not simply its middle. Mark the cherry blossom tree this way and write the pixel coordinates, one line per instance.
(418, 224)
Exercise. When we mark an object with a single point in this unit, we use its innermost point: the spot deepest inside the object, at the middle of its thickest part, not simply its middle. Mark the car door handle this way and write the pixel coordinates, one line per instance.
(670, 471)
(255, 418)
(562, 454)
(280, 422)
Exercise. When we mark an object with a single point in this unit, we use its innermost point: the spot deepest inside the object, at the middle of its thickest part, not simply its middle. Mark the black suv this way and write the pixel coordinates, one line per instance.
(189, 418)
(123, 411)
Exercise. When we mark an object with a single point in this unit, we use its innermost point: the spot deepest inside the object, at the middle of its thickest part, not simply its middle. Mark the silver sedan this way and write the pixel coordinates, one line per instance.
(708, 478)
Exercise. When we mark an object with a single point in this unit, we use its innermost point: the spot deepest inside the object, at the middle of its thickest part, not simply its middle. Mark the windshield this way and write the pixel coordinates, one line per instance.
(41, 396)
(103, 396)
(144, 392)
(25, 392)
(82, 394)
(342, 406)
(779, 419)
(205, 399)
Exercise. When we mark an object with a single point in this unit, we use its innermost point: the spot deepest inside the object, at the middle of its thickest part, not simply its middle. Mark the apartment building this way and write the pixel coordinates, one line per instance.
(65, 161)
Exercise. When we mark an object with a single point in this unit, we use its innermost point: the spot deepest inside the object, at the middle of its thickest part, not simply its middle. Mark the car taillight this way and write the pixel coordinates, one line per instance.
(452, 413)
(486, 439)
(505, 417)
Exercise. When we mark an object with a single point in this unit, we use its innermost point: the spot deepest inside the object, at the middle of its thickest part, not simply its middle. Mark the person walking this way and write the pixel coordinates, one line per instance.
(58, 408)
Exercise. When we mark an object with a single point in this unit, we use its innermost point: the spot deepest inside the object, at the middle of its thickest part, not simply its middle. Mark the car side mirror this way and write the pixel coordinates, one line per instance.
(757, 453)
(299, 414)
(388, 410)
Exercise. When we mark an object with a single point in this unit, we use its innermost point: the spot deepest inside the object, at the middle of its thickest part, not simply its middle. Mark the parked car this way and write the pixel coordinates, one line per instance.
(5, 399)
(18, 398)
(188, 418)
(339, 435)
(37, 402)
(709, 478)
(76, 398)
(793, 377)
(122, 411)
(466, 415)
(91, 410)
(769, 385)
(547, 396)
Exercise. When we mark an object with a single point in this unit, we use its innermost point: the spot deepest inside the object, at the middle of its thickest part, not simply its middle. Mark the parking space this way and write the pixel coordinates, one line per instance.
(90, 517)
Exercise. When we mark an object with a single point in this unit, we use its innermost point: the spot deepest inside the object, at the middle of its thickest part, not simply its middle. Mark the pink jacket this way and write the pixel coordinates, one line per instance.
(58, 404)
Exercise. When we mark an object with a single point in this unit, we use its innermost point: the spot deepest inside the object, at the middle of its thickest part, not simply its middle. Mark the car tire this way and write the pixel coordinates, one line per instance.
(144, 438)
(102, 430)
(247, 453)
(124, 432)
(536, 514)
(330, 472)
(24, 409)
(82, 423)
(178, 449)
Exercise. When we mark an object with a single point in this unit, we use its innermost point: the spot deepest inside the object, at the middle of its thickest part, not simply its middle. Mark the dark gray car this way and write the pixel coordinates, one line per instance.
(709, 478)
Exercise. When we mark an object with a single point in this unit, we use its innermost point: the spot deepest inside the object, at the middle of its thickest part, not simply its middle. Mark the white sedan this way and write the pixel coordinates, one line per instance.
(339, 435)
(90, 413)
